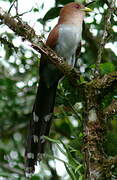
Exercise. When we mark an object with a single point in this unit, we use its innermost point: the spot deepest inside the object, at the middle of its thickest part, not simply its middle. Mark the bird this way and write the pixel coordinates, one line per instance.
(65, 40)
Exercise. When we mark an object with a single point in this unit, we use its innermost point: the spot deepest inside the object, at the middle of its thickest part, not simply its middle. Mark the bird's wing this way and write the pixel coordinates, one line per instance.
(78, 50)
(53, 37)
(48, 72)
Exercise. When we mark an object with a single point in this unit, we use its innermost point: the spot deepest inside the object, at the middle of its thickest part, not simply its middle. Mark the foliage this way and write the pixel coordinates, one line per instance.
(18, 81)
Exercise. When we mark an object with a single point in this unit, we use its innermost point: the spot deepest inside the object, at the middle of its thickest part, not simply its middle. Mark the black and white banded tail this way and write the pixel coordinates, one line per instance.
(40, 124)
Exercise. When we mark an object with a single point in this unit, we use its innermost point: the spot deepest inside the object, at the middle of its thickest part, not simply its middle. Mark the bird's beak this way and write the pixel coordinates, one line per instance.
(86, 9)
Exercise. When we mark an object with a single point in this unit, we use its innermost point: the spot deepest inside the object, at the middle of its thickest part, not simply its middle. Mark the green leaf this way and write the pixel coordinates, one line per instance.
(78, 167)
(63, 2)
(51, 140)
(106, 68)
(72, 161)
(81, 178)
(82, 79)
(57, 143)
(36, 10)
(92, 66)
(70, 172)
(11, 1)
(52, 13)
(35, 178)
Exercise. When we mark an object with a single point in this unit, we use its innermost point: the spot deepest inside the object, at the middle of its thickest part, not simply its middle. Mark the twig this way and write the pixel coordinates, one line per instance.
(87, 4)
(11, 169)
(18, 15)
(16, 7)
(105, 35)
(11, 6)
(114, 7)
(11, 130)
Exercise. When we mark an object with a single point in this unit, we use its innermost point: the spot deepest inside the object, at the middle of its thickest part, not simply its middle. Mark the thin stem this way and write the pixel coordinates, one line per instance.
(106, 36)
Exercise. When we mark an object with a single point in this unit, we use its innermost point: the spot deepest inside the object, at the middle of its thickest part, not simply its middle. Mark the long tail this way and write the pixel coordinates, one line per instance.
(40, 124)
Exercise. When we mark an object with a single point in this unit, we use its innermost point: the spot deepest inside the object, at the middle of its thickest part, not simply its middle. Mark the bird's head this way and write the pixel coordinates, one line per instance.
(74, 6)
(73, 12)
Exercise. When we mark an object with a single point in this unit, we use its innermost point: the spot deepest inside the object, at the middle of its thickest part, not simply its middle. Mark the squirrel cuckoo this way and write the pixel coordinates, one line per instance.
(65, 39)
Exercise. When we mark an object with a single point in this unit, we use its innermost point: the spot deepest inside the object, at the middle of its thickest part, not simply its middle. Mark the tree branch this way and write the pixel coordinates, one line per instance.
(13, 170)
(24, 30)
(112, 161)
(108, 80)
(106, 35)
(19, 27)
(113, 5)
(111, 109)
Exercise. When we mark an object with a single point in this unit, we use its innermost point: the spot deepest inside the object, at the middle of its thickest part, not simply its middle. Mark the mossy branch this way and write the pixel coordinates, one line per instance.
(110, 110)
(27, 33)
(108, 80)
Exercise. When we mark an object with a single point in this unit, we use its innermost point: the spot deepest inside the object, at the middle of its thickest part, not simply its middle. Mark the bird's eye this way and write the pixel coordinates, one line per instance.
(77, 6)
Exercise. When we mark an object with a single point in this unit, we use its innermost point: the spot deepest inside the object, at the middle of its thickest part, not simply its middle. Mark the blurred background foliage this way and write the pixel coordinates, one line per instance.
(18, 83)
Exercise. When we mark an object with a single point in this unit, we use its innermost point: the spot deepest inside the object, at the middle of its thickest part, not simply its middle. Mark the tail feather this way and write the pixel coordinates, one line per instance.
(40, 124)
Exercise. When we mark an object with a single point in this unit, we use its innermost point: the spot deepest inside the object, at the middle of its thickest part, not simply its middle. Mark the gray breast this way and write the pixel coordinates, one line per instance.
(69, 38)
